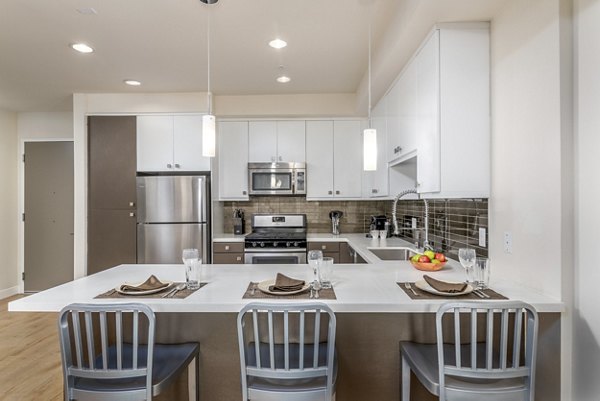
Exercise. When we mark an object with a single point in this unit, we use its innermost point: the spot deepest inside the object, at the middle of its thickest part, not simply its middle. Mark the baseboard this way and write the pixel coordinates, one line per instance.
(9, 292)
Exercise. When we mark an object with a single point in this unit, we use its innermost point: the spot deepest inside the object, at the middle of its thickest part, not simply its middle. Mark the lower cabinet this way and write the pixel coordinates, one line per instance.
(329, 249)
(228, 253)
(349, 255)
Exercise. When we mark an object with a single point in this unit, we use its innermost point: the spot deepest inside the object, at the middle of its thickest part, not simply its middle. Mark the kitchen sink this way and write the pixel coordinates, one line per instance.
(392, 253)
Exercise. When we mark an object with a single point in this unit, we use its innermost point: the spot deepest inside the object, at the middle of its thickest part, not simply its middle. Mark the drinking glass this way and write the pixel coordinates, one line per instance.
(191, 259)
(326, 271)
(315, 258)
(467, 257)
(482, 273)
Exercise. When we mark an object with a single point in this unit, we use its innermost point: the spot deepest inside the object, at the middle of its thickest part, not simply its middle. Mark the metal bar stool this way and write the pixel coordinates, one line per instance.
(495, 369)
(105, 359)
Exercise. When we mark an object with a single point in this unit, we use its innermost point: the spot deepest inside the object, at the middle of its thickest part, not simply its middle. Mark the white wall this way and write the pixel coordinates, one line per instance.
(532, 160)
(526, 144)
(586, 365)
(8, 204)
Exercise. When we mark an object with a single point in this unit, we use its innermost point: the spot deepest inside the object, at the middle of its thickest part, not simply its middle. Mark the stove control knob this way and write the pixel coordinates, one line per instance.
(254, 245)
(262, 244)
(295, 244)
(288, 244)
(275, 244)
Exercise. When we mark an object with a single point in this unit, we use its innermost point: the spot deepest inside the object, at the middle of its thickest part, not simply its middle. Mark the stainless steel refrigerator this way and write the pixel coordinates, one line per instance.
(173, 214)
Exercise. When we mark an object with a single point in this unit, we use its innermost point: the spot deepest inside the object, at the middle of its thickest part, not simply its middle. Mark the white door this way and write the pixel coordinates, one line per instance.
(154, 143)
(187, 144)
(233, 160)
(291, 140)
(319, 159)
(262, 141)
(347, 160)
(428, 123)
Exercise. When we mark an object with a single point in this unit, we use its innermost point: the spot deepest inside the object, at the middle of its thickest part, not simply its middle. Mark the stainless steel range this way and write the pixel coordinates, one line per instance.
(276, 239)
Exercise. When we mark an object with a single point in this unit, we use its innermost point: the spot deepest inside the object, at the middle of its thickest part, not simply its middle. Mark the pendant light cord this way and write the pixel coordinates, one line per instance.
(369, 74)
(208, 94)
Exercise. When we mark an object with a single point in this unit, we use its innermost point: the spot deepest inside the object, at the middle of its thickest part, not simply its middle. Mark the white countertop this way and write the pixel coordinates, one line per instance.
(361, 288)
(228, 238)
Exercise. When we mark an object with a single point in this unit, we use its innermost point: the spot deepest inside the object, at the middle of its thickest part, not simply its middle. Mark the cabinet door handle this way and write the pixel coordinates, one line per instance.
(337, 192)
(244, 192)
(131, 204)
(238, 258)
(131, 214)
(177, 165)
(226, 247)
(374, 191)
(329, 192)
(169, 165)
(323, 247)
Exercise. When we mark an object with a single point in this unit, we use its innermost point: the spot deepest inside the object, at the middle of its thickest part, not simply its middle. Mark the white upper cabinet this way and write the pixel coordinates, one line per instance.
(170, 143)
(276, 141)
(347, 159)
(402, 115)
(233, 160)
(319, 159)
(333, 160)
(377, 181)
(439, 116)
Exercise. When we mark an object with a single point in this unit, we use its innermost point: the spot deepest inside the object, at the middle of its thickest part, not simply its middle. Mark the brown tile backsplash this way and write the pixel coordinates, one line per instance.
(453, 223)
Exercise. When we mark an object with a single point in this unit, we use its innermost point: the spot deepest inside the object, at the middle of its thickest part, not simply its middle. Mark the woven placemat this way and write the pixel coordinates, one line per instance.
(179, 295)
(427, 295)
(252, 292)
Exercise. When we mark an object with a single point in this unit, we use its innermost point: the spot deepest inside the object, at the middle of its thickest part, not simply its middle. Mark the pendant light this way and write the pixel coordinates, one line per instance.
(208, 120)
(370, 133)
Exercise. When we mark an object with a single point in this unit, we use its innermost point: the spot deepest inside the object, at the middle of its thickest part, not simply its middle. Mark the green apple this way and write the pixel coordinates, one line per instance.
(430, 254)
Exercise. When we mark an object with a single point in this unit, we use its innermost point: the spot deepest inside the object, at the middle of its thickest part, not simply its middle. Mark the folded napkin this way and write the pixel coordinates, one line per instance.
(152, 283)
(284, 283)
(443, 286)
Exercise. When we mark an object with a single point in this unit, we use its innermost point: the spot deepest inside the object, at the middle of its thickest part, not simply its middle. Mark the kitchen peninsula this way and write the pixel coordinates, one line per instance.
(373, 315)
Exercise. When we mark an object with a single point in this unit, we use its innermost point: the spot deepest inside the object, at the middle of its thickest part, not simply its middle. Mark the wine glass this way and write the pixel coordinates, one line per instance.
(314, 261)
(191, 259)
(466, 257)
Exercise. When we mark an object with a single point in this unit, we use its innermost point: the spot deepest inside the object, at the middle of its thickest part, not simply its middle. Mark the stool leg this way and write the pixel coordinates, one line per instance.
(405, 380)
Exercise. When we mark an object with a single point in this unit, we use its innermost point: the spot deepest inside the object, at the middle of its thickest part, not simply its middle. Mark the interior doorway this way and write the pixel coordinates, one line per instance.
(48, 214)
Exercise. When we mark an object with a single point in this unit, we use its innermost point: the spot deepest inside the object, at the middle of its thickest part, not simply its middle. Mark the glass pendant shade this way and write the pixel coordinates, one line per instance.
(208, 135)
(370, 149)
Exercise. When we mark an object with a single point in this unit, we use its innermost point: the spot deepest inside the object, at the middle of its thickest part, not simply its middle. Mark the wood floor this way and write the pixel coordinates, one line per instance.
(29, 356)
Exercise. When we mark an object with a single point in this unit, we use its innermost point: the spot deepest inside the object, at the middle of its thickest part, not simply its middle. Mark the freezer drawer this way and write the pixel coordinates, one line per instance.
(163, 243)
(172, 199)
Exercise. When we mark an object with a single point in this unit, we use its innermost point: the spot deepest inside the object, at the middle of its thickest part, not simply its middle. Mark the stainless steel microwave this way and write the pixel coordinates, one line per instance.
(277, 178)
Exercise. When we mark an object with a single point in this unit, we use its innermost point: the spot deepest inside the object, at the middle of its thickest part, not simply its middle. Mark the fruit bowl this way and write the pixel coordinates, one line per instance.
(428, 267)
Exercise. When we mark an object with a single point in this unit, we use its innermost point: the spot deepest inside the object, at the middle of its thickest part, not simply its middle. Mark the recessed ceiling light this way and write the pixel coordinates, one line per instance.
(132, 82)
(87, 11)
(283, 79)
(278, 43)
(81, 48)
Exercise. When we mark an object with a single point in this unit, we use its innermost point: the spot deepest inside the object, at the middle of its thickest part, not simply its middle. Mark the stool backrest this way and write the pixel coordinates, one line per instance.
(92, 339)
(286, 342)
(483, 352)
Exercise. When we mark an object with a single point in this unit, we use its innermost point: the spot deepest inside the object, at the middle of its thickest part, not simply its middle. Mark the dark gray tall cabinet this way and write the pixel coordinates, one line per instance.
(111, 236)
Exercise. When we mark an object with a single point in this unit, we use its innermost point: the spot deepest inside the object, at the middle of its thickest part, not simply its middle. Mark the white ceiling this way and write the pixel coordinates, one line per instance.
(163, 44)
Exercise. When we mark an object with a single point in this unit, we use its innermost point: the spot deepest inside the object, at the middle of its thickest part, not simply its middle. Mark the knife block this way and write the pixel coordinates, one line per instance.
(238, 226)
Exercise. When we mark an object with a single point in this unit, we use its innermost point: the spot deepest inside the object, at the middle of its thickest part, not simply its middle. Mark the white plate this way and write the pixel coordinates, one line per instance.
(147, 292)
(264, 287)
(423, 285)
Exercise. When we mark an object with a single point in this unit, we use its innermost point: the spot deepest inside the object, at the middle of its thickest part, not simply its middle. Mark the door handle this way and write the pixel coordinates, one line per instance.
(244, 192)
(329, 192)
(337, 192)
(177, 165)
(169, 165)
(131, 214)
(131, 204)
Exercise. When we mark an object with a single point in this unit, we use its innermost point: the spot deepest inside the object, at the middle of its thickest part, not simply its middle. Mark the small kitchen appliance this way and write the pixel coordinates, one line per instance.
(276, 239)
(335, 216)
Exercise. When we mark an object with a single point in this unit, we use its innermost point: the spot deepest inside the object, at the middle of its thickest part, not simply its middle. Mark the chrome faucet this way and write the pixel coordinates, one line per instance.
(426, 245)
